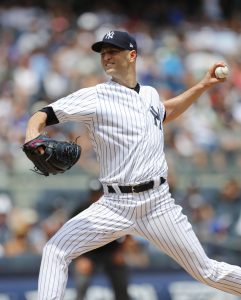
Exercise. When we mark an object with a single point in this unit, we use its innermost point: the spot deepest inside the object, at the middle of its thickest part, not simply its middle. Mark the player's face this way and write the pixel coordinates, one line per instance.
(115, 61)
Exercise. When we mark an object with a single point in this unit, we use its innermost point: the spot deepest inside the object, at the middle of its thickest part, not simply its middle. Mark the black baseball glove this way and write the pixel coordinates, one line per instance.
(50, 156)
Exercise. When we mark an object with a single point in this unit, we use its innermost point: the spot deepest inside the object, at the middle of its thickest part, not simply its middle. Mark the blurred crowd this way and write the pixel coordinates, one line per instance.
(45, 54)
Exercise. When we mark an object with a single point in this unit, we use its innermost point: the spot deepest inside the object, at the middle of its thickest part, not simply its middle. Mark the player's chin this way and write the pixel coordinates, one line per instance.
(109, 71)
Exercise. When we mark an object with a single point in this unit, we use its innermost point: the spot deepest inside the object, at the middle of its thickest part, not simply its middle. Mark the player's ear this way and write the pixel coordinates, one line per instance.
(133, 55)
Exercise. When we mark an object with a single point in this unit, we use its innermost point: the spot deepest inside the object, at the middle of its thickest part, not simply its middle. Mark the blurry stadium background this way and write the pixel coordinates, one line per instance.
(44, 55)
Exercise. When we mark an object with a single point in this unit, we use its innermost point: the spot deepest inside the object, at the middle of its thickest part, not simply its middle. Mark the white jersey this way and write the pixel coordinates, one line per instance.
(125, 129)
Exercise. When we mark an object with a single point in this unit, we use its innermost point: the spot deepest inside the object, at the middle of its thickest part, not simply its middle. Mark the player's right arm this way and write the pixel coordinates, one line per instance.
(36, 125)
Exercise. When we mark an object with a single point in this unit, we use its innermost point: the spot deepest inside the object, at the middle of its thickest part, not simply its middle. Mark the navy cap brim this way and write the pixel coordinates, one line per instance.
(98, 46)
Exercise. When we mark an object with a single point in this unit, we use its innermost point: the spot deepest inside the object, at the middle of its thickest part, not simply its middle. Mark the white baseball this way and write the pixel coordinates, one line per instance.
(221, 72)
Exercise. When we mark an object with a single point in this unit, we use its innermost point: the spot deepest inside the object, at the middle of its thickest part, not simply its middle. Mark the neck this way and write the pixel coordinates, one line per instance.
(125, 72)
(128, 83)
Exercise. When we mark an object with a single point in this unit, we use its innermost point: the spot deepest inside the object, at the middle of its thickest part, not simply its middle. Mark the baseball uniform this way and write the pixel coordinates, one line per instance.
(127, 134)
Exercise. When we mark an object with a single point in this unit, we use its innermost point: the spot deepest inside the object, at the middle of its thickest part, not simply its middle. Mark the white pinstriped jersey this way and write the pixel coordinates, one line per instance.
(125, 129)
(127, 135)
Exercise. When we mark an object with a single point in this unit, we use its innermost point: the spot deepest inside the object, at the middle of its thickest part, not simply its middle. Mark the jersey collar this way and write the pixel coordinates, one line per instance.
(137, 88)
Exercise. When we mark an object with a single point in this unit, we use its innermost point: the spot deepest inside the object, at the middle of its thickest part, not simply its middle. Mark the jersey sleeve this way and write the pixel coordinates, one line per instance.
(78, 106)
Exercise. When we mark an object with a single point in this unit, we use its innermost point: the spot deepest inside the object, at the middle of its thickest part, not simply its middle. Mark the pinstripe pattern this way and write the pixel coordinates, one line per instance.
(152, 215)
(171, 232)
(129, 146)
(126, 131)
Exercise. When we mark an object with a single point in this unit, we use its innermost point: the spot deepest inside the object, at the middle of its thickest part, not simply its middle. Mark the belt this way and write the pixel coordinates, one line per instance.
(137, 188)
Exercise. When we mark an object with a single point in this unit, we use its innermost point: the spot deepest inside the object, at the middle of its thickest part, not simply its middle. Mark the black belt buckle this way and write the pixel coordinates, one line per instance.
(133, 188)
(142, 187)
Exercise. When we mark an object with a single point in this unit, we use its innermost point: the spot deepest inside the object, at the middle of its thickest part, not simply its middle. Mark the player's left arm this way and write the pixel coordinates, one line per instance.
(176, 106)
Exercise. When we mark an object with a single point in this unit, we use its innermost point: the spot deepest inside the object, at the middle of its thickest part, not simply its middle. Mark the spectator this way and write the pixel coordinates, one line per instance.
(21, 221)
(227, 209)
(5, 209)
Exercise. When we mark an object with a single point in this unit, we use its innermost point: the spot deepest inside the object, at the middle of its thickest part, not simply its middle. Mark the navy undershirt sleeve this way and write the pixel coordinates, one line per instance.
(51, 117)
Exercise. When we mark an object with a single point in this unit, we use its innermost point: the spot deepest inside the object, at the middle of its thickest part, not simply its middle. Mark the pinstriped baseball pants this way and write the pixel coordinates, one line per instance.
(153, 215)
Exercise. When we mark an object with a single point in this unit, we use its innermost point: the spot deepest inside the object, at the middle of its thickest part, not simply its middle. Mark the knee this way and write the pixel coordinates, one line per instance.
(207, 272)
(50, 249)
(54, 251)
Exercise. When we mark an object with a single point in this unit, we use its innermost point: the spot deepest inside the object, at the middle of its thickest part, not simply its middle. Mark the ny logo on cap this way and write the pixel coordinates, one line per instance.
(109, 35)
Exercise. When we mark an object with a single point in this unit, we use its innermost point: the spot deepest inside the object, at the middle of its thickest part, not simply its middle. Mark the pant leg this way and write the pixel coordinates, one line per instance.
(167, 228)
(94, 227)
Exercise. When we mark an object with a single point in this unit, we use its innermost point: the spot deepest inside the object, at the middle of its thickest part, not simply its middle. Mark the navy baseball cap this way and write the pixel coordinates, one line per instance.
(121, 39)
